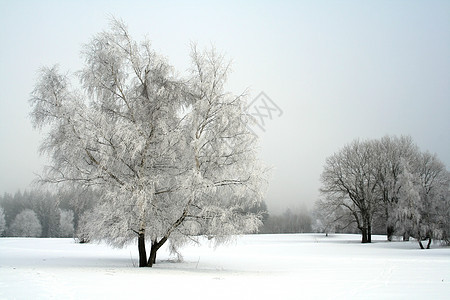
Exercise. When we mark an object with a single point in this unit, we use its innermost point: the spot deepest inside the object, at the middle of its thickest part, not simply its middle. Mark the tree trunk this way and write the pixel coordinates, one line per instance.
(419, 238)
(154, 249)
(152, 257)
(389, 232)
(366, 229)
(405, 236)
(420, 244)
(429, 243)
(364, 235)
(142, 252)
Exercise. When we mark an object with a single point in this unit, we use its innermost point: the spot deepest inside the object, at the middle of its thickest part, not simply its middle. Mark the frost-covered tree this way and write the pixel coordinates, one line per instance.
(45, 205)
(82, 233)
(445, 211)
(389, 153)
(26, 224)
(408, 208)
(66, 223)
(433, 185)
(78, 201)
(12, 206)
(2, 221)
(170, 157)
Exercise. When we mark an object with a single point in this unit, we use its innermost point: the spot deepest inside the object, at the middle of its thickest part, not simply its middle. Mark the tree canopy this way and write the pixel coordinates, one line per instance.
(390, 181)
(171, 157)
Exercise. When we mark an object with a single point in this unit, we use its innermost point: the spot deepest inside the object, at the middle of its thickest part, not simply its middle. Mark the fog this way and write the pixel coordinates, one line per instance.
(330, 72)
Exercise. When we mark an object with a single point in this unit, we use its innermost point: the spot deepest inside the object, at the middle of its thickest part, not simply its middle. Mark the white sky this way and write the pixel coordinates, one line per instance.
(339, 70)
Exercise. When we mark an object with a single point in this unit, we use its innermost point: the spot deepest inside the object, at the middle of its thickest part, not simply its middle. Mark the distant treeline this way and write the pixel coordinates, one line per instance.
(43, 214)
(290, 221)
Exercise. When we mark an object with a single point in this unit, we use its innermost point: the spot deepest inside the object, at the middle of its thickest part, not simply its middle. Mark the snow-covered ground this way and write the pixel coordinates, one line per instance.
(303, 266)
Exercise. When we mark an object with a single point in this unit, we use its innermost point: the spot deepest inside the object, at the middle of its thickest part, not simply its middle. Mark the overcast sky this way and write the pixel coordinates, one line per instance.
(334, 71)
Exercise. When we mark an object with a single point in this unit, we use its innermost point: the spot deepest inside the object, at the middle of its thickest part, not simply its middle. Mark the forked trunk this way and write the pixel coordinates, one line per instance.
(420, 244)
(153, 250)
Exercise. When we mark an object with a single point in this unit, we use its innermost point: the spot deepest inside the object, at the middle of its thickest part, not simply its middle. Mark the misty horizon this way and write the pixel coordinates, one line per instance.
(328, 72)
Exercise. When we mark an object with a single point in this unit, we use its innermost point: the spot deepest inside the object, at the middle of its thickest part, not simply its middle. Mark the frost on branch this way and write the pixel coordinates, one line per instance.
(171, 157)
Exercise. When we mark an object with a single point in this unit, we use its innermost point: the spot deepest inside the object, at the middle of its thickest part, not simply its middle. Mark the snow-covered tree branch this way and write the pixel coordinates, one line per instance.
(171, 157)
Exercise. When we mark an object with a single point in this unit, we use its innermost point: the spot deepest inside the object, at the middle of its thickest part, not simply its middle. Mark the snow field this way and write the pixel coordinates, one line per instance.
(298, 266)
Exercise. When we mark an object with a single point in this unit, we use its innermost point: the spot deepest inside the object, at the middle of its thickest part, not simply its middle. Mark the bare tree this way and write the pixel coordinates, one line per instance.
(349, 181)
(389, 181)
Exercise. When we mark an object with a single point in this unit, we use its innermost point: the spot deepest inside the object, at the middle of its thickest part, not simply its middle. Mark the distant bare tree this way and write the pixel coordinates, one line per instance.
(349, 180)
(386, 181)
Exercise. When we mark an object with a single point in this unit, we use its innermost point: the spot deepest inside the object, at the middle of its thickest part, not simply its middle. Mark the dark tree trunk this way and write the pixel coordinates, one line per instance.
(405, 237)
(152, 257)
(366, 229)
(364, 235)
(390, 232)
(429, 243)
(420, 244)
(142, 252)
(389, 226)
(154, 249)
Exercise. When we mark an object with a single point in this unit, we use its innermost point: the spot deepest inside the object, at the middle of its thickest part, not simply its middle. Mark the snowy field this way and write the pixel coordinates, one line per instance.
(303, 266)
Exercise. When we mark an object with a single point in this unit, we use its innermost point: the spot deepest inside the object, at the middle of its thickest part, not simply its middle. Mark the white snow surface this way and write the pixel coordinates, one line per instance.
(296, 266)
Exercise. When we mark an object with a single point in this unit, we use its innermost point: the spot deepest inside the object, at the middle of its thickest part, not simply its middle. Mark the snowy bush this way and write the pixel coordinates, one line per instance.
(26, 224)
